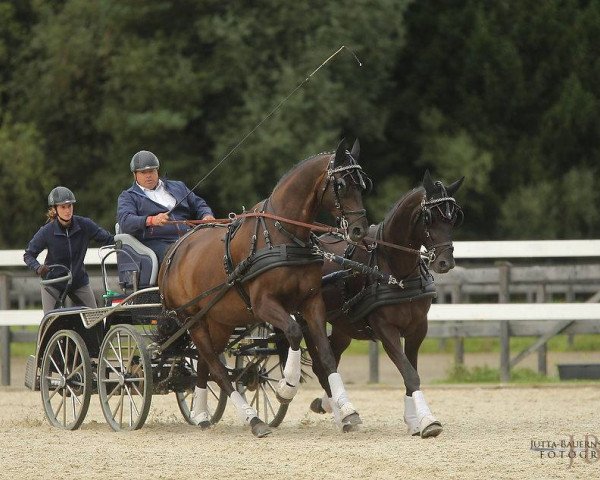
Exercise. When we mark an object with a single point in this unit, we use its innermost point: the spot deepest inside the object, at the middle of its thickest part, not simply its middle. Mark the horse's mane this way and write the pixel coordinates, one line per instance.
(404, 197)
(299, 164)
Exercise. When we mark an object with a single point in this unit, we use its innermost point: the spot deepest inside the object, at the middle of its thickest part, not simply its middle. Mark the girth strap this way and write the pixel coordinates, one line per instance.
(377, 295)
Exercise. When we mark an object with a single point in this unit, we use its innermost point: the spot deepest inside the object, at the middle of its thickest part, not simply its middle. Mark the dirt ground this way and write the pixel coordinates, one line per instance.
(488, 433)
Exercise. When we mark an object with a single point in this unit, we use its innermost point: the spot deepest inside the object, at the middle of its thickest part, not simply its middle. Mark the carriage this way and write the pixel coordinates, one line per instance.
(255, 275)
(110, 350)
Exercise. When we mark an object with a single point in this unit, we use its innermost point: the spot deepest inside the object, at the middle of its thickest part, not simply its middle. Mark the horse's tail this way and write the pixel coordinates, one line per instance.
(167, 325)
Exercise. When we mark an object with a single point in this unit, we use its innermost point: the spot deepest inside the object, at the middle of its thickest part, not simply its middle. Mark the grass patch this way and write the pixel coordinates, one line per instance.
(485, 374)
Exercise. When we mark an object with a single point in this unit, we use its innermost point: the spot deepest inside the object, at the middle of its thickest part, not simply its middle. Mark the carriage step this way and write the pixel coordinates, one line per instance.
(31, 379)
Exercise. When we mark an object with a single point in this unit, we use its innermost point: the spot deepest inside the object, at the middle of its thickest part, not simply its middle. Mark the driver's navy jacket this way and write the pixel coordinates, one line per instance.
(66, 246)
(134, 207)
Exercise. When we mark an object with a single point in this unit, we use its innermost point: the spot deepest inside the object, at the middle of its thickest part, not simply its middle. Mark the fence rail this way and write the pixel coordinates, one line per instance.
(485, 275)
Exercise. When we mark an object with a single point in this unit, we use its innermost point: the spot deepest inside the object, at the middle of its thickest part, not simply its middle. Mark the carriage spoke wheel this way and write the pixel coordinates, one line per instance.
(124, 378)
(216, 398)
(66, 380)
(257, 377)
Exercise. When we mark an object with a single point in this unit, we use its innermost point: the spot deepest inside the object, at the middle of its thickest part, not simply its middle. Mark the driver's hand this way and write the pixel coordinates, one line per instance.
(159, 220)
(42, 270)
(208, 217)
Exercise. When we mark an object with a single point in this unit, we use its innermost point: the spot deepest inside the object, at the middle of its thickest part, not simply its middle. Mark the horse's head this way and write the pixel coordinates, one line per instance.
(439, 215)
(343, 189)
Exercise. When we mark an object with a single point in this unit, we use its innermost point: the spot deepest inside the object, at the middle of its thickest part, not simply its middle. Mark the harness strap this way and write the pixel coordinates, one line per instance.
(194, 318)
(230, 269)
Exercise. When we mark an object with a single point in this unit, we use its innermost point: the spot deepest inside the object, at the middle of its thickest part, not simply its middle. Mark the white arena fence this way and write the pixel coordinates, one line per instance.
(535, 272)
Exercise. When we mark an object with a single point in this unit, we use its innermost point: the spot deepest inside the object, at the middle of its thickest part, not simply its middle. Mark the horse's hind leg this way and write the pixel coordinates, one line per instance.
(314, 314)
(269, 310)
(201, 337)
(199, 412)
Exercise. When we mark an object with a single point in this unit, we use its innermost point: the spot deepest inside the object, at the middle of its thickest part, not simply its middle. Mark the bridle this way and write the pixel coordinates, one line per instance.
(357, 176)
(449, 211)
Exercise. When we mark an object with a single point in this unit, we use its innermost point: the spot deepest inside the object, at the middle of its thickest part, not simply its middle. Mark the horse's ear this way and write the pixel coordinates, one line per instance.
(340, 154)
(355, 150)
(451, 189)
(428, 183)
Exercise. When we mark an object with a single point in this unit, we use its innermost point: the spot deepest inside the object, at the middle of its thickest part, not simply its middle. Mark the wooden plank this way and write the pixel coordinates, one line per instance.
(514, 311)
(506, 249)
(527, 249)
(14, 258)
(20, 317)
(471, 329)
(567, 274)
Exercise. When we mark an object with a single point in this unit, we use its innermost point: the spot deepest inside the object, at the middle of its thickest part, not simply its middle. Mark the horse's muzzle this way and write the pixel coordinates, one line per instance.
(443, 265)
(357, 230)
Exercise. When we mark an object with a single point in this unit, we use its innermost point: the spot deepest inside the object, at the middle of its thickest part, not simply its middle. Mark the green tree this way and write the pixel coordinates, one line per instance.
(24, 184)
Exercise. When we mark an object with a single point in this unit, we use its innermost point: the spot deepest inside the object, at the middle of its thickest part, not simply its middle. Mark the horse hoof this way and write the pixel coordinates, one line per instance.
(351, 420)
(317, 406)
(259, 428)
(348, 428)
(204, 425)
(432, 430)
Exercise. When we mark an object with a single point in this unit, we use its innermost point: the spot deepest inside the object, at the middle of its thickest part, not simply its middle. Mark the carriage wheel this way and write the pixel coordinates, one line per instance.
(124, 378)
(217, 399)
(257, 377)
(66, 381)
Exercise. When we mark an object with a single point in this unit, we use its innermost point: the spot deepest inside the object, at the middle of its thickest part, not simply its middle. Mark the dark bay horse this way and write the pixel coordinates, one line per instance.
(364, 307)
(261, 270)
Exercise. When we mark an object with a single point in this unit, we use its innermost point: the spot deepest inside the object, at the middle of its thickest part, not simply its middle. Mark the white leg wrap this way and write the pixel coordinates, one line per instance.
(410, 416)
(338, 392)
(288, 385)
(199, 411)
(292, 369)
(424, 415)
(335, 413)
(245, 411)
(339, 396)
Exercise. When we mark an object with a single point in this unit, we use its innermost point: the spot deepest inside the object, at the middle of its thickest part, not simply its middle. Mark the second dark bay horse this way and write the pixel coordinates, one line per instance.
(367, 307)
(262, 270)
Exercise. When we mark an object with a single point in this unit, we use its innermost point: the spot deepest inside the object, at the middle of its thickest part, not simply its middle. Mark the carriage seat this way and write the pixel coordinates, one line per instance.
(135, 260)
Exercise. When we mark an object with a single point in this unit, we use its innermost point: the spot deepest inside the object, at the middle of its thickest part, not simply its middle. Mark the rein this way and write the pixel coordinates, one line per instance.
(271, 216)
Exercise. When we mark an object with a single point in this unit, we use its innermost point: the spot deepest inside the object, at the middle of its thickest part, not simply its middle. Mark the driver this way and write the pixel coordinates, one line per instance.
(144, 209)
(66, 237)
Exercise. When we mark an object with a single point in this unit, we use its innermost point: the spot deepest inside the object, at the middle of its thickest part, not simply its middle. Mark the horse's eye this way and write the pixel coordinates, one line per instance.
(340, 186)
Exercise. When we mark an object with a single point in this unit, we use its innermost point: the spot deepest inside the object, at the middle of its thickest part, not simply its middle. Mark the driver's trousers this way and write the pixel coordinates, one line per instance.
(83, 296)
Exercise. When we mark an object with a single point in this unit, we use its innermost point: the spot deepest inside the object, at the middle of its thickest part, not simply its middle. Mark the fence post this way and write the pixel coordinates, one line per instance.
(504, 297)
(459, 342)
(542, 353)
(440, 299)
(373, 362)
(570, 298)
(4, 333)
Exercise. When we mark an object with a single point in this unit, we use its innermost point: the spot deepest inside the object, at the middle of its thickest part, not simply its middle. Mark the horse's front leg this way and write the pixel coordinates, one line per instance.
(344, 412)
(270, 310)
(417, 415)
(339, 342)
(202, 339)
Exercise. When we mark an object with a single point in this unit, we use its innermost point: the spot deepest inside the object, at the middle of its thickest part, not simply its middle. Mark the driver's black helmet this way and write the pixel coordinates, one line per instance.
(60, 196)
(144, 160)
